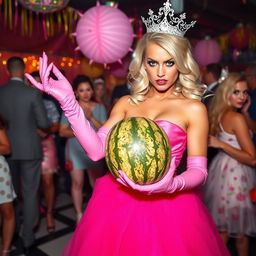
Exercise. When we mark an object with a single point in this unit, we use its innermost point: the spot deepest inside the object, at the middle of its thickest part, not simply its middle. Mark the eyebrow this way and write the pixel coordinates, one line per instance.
(157, 61)
(240, 90)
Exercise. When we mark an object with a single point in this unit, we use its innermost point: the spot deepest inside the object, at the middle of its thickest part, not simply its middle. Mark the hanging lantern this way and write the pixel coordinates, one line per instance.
(239, 37)
(104, 34)
(207, 51)
(223, 42)
(94, 70)
(44, 6)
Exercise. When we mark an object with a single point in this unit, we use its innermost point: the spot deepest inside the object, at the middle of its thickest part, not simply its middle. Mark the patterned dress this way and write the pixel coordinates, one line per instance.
(227, 192)
(7, 193)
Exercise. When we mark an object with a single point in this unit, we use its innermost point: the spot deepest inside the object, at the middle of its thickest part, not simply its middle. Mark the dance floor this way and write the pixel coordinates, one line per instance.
(53, 244)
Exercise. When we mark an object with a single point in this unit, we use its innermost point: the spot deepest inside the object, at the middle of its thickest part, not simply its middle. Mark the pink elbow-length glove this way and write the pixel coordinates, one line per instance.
(193, 177)
(93, 142)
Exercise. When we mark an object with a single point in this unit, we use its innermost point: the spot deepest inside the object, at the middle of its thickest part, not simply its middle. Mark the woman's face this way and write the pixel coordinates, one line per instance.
(99, 90)
(84, 92)
(160, 67)
(239, 94)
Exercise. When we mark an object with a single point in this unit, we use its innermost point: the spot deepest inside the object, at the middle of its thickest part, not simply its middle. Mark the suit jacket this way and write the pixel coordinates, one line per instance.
(23, 108)
(120, 91)
(207, 98)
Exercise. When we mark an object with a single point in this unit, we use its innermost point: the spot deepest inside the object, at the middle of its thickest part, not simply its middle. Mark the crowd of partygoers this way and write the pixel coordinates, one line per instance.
(51, 127)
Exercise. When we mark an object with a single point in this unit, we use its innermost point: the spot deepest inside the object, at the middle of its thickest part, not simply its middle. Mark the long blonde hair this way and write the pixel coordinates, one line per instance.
(220, 103)
(188, 83)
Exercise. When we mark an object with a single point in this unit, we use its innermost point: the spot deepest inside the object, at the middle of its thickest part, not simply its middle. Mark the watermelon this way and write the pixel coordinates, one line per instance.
(140, 148)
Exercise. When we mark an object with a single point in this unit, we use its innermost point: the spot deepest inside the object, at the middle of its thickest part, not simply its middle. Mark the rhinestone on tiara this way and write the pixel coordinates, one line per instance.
(165, 22)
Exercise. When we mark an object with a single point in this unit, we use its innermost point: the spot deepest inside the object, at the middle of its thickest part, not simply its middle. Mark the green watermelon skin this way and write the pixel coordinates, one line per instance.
(139, 147)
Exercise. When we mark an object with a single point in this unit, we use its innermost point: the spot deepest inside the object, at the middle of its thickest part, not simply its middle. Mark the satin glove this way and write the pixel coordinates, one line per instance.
(193, 177)
(93, 142)
(60, 89)
(158, 187)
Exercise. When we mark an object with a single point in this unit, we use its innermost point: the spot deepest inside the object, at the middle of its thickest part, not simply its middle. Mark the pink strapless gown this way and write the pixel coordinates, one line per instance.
(119, 221)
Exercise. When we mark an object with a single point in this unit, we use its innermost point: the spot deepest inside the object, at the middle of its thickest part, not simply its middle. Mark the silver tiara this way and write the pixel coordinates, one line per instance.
(165, 22)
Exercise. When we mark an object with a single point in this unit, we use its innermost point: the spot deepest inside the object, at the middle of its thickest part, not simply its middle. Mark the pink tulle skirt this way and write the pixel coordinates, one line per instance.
(121, 222)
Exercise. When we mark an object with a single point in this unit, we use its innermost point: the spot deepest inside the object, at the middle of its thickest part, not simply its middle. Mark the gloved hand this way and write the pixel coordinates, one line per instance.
(193, 177)
(60, 89)
(161, 186)
(92, 142)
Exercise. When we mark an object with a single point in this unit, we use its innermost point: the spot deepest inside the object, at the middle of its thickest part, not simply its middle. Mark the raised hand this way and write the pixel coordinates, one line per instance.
(162, 186)
(59, 89)
(246, 105)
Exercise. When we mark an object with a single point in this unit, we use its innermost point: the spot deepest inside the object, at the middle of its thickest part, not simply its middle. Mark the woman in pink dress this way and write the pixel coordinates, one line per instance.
(166, 218)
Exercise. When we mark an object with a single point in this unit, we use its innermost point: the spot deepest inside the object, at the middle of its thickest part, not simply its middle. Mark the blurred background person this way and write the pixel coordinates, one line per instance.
(24, 110)
(96, 113)
(7, 194)
(211, 76)
(100, 93)
(50, 160)
(231, 176)
(120, 91)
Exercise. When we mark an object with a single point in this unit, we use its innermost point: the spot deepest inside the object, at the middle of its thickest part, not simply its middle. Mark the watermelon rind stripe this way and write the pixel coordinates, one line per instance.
(135, 138)
(157, 172)
(115, 150)
(166, 144)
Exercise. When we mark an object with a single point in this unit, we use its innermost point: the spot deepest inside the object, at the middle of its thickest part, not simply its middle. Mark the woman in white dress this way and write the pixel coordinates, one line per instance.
(231, 173)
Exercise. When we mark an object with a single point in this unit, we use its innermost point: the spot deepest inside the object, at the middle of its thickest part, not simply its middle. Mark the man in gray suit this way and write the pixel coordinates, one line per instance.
(23, 108)
(211, 79)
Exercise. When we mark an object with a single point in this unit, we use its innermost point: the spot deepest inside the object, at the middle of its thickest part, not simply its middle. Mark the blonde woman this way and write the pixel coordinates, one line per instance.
(167, 217)
(231, 175)
(100, 93)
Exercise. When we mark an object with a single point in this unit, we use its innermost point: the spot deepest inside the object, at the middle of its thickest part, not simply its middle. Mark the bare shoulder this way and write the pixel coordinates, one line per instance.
(235, 118)
(118, 111)
(123, 101)
(194, 107)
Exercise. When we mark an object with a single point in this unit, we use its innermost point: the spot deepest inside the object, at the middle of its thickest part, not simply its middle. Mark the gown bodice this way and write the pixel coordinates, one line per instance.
(177, 138)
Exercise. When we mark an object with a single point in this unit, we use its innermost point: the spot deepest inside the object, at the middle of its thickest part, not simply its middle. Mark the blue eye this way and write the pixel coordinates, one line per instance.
(151, 63)
(170, 63)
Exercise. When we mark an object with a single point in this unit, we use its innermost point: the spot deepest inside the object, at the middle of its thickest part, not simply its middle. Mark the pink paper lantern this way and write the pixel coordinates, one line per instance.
(104, 34)
(207, 51)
